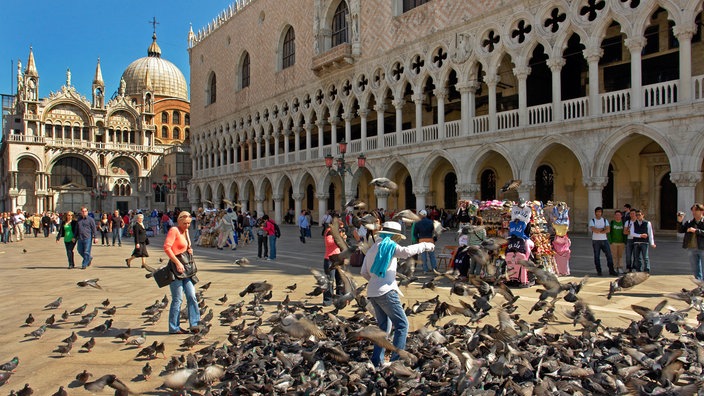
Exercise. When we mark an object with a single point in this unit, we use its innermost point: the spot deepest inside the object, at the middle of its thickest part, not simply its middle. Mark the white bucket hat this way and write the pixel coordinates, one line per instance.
(392, 228)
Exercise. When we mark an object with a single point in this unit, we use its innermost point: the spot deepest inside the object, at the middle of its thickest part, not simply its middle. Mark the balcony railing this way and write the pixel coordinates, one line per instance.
(83, 144)
(540, 114)
(575, 108)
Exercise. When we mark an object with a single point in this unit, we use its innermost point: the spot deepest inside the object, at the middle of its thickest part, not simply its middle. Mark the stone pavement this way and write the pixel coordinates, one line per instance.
(39, 276)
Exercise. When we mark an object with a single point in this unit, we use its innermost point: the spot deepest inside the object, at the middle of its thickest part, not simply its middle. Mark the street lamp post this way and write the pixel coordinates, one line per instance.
(342, 168)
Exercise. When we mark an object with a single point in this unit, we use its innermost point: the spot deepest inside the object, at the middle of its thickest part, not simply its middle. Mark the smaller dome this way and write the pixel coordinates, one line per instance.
(160, 75)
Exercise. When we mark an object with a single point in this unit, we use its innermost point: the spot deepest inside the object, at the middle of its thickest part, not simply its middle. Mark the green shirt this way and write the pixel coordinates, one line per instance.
(616, 233)
(68, 232)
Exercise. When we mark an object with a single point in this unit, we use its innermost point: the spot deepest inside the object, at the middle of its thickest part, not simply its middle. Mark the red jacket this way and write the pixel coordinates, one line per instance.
(269, 227)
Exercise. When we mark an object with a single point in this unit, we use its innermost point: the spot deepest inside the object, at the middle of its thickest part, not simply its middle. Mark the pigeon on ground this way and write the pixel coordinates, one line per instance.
(26, 391)
(90, 282)
(89, 344)
(223, 299)
(111, 311)
(384, 183)
(65, 316)
(36, 334)
(139, 340)
(106, 303)
(60, 392)
(301, 327)
(110, 380)
(72, 338)
(79, 310)
(627, 281)
(147, 371)
(29, 320)
(83, 377)
(64, 349)
(256, 287)
(54, 304)
(292, 287)
(4, 377)
(206, 286)
(242, 262)
(11, 365)
(50, 320)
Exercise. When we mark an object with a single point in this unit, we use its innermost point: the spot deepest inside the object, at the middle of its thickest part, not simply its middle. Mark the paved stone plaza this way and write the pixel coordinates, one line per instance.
(37, 277)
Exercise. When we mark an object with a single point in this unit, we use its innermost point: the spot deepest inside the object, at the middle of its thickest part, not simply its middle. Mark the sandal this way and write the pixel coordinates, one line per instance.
(127, 261)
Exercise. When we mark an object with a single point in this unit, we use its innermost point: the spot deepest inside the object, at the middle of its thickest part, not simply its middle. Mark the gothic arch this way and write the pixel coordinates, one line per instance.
(474, 162)
(37, 160)
(543, 145)
(610, 145)
(85, 113)
(427, 167)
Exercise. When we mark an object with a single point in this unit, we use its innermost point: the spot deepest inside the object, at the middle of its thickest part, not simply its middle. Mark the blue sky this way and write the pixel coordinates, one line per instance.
(73, 34)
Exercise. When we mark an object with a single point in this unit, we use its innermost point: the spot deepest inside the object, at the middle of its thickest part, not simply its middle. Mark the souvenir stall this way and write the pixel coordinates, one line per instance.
(543, 251)
(561, 243)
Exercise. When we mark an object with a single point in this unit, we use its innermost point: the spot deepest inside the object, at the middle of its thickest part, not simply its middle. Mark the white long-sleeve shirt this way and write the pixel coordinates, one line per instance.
(379, 286)
(651, 239)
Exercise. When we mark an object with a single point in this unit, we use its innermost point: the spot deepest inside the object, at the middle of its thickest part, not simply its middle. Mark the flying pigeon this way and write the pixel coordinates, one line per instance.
(90, 282)
(384, 183)
(511, 185)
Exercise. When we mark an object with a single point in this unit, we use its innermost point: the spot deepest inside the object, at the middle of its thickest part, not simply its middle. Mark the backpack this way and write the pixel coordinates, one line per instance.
(277, 231)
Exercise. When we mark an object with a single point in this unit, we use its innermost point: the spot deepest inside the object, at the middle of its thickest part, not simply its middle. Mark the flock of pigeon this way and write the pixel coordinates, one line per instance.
(476, 340)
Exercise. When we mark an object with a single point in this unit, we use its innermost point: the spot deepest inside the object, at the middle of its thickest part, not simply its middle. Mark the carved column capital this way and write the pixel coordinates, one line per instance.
(321, 196)
(635, 44)
(686, 179)
(521, 72)
(556, 64)
(277, 197)
(595, 183)
(379, 193)
(380, 107)
(593, 54)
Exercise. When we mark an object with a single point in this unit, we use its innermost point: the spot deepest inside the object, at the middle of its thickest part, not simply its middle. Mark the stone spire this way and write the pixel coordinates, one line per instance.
(154, 49)
(191, 37)
(98, 79)
(31, 66)
(147, 80)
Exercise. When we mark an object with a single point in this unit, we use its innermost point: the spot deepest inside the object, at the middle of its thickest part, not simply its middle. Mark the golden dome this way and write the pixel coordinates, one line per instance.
(161, 76)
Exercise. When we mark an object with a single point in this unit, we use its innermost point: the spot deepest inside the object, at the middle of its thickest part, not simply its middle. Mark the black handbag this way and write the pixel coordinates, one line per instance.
(163, 276)
(189, 265)
(146, 241)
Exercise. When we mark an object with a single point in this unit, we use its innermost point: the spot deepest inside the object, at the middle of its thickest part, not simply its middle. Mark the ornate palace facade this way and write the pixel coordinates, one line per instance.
(592, 102)
(65, 150)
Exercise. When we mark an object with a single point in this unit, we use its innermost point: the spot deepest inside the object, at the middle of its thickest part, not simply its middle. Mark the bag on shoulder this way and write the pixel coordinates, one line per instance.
(146, 241)
(163, 276)
(277, 231)
(189, 266)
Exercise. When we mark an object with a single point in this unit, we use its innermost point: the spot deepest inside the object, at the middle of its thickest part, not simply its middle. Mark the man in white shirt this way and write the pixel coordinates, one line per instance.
(642, 232)
(18, 220)
(600, 228)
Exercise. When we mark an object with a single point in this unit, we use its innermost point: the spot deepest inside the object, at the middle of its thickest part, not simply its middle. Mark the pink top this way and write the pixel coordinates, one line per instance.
(175, 242)
(330, 245)
(269, 227)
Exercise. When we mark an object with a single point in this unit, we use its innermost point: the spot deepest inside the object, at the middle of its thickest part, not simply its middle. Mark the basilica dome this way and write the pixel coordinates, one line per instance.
(163, 77)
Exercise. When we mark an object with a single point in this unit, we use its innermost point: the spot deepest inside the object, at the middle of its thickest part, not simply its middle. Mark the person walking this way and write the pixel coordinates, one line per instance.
(424, 231)
(617, 241)
(599, 227)
(116, 224)
(631, 217)
(36, 221)
(270, 228)
(85, 236)
(178, 241)
(331, 248)
(140, 241)
(693, 237)
(262, 240)
(303, 225)
(642, 231)
(6, 227)
(379, 268)
(104, 227)
(68, 229)
(46, 224)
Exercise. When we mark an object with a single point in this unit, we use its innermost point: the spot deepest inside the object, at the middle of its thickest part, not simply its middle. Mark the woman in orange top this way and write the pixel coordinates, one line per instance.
(331, 249)
(178, 241)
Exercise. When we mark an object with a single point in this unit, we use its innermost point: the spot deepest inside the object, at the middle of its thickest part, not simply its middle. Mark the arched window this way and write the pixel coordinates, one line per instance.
(177, 133)
(488, 185)
(177, 118)
(544, 183)
(212, 89)
(450, 190)
(165, 132)
(289, 50)
(244, 71)
(187, 119)
(339, 24)
(607, 194)
(164, 118)
(411, 4)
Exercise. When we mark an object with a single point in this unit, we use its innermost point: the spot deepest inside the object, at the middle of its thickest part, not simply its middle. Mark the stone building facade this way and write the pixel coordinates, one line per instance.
(66, 150)
(592, 102)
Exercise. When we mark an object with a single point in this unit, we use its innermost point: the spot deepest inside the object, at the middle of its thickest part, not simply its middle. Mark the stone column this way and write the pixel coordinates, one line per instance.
(684, 36)
(286, 134)
(468, 104)
(593, 55)
(322, 206)
(556, 65)
(521, 74)
(309, 135)
(491, 81)
(524, 190)
(267, 147)
(297, 141)
(380, 109)
(686, 183)
(320, 124)
(418, 100)
(348, 126)
(333, 134)
(594, 186)
(250, 150)
(382, 199)
(297, 206)
(440, 95)
(277, 134)
(278, 212)
(259, 205)
(421, 194)
(398, 105)
(363, 113)
(635, 46)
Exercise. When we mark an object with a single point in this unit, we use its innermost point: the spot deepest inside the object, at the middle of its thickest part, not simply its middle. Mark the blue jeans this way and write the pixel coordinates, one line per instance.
(117, 234)
(388, 309)
(69, 253)
(433, 262)
(272, 246)
(84, 247)
(629, 254)
(696, 257)
(334, 280)
(6, 234)
(598, 247)
(178, 288)
(641, 260)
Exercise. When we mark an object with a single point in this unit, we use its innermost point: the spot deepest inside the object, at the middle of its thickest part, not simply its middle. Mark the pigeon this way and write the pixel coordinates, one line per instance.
(11, 365)
(510, 185)
(384, 183)
(189, 378)
(292, 287)
(65, 316)
(60, 392)
(205, 286)
(89, 344)
(139, 340)
(26, 391)
(106, 302)
(24, 251)
(83, 377)
(110, 380)
(90, 282)
(301, 327)
(147, 371)
(54, 304)
(405, 216)
(103, 327)
(72, 338)
(223, 299)
(37, 333)
(111, 311)
(79, 310)
(29, 320)
(242, 262)
(355, 204)
(627, 281)
(64, 349)
(50, 320)
(149, 352)
(256, 287)
(4, 377)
